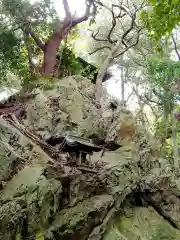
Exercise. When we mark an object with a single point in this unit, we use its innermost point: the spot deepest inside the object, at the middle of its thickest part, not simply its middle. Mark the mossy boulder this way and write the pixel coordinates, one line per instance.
(68, 107)
(77, 222)
(28, 196)
(142, 224)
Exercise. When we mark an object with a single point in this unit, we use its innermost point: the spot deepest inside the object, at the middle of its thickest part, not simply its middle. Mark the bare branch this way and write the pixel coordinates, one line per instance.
(86, 15)
(29, 49)
(175, 47)
(153, 101)
(37, 40)
(94, 36)
(114, 19)
(130, 46)
(122, 8)
(67, 9)
(98, 49)
(113, 53)
(113, 23)
(112, 29)
(130, 96)
(130, 28)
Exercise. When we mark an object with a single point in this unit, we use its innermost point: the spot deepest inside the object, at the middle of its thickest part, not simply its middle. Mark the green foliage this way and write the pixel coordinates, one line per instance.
(22, 10)
(14, 15)
(161, 74)
(68, 61)
(162, 18)
(37, 81)
(43, 18)
(163, 132)
(11, 55)
(89, 72)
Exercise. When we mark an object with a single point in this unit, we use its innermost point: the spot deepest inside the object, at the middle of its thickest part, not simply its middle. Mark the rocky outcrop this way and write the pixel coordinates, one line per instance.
(67, 107)
(141, 223)
(41, 195)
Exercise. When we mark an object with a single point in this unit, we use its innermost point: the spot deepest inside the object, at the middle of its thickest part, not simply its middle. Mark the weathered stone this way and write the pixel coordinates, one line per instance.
(143, 224)
(22, 182)
(65, 202)
(69, 107)
(77, 222)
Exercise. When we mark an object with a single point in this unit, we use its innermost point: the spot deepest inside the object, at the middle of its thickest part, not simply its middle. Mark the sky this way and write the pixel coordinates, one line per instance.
(77, 6)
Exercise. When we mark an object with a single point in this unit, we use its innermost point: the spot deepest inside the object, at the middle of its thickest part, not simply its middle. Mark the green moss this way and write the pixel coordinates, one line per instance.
(142, 224)
(25, 179)
(72, 218)
(114, 234)
(18, 237)
(39, 236)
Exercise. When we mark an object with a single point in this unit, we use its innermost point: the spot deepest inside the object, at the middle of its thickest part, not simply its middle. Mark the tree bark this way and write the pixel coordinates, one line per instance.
(51, 46)
(174, 141)
(122, 84)
(51, 49)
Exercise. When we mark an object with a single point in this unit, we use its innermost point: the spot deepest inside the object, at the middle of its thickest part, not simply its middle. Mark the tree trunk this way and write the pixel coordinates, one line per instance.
(174, 141)
(50, 52)
(103, 69)
(122, 84)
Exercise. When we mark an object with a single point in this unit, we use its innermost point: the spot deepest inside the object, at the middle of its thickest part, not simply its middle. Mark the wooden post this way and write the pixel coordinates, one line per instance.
(89, 162)
(79, 159)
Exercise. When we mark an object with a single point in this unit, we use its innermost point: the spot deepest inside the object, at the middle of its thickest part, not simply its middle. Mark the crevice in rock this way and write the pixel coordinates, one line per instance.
(160, 211)
(144, 199)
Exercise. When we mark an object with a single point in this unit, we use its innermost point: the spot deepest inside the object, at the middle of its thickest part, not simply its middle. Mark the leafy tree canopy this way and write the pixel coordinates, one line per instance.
(161, 17)
(33, 37)
(162, 73)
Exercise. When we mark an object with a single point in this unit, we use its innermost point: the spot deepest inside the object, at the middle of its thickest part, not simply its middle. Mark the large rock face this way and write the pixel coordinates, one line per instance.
(143, 224)
(41, 197)
(68, 107)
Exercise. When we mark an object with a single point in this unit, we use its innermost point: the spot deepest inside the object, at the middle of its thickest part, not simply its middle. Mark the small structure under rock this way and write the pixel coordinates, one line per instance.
(77, 147)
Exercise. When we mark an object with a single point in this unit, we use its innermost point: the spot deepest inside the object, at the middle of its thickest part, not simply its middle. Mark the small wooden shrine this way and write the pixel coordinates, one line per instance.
(77, 147)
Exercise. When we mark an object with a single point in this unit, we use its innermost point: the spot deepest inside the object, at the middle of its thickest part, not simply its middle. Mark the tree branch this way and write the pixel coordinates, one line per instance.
(29, 49)
(130, 46)
(86, 15)
(113, 54)
(114, 20)
(67, 9)
(93, 35)
(129, 29)
(98, 49)
(175, 47)
(150, 100)
(37, 40)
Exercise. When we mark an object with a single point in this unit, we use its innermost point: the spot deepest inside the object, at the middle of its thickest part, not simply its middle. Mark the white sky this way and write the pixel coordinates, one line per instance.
(77, 6)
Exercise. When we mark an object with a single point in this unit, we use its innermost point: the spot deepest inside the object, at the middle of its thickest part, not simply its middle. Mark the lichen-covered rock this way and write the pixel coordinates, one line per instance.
(123, 128)
(29, 198)
(142, 224)
(22, 182)
(17, 150)
(78, 222)
(68, 107)
(44, 197)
